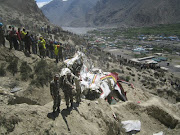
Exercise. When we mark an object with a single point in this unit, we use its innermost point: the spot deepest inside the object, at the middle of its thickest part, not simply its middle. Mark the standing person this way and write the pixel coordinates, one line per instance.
(60, 52)
(67, 89)
(42, 46)
(78, 89)
(48, 29)
(27, 40)
(34, 50)
(36, 43)
(56, 51)
(54, 91)
(47, 47)
(19, 38)
(23, 34)
(2, 40)
(14, 38)
(9, 37)
(51, 49)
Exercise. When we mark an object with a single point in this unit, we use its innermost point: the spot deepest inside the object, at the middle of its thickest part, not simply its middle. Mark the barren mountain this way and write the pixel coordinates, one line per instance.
(21, 12)
(68, 13)
(112, 12)
(134, 12)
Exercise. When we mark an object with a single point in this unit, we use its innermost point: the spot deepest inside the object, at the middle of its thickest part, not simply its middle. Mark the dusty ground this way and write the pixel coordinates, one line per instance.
(33, 115)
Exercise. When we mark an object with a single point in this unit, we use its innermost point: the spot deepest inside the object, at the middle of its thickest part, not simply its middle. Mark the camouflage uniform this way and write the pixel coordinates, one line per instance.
(78, 89)
(67, 89)
(76, 67)
(54, 90)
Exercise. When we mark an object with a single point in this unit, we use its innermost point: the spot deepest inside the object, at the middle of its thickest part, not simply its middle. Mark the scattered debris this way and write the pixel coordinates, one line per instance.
(131, 125)
(160, 133)
(16, 89)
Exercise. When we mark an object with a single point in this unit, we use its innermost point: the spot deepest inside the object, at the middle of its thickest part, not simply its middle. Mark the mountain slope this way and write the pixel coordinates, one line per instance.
(134, 12)
(21, 12)
(68, 13)
(29, 111)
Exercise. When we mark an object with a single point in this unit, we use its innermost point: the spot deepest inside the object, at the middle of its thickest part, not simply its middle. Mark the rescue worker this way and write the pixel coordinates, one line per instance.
(56, 51)
(67, 89)
(23, 34)
(54, 91)
(60, 52)
(42, 46)
(2, 39)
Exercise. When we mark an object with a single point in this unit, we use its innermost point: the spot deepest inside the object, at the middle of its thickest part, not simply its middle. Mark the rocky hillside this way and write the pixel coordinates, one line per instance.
(134, 12)
(21, 13)
(68, 13)
(112, 12)
(29, 110)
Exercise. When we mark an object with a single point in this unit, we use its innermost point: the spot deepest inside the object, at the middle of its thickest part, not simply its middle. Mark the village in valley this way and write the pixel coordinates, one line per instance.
(155, 49)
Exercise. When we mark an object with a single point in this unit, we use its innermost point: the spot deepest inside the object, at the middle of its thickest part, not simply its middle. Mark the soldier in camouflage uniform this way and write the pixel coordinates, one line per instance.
(78, 89)
(54, 90)
(67, 89)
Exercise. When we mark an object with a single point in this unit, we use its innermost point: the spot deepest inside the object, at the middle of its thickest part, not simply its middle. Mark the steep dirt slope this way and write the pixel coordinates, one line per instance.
(90, 117)
(29, 111)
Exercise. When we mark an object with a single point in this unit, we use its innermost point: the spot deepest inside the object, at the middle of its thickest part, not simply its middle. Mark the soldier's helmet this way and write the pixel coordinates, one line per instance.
(56, 76)
(68, 74)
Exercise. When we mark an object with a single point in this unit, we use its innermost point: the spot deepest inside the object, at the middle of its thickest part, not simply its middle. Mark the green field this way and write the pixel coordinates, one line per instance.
(164, 30)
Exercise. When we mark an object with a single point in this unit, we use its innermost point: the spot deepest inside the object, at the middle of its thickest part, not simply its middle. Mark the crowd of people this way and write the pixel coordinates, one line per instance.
(22, 40)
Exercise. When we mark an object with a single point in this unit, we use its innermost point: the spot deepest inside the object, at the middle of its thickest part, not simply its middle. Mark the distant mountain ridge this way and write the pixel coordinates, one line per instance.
(134, 12)
(68, 13)
(80, 13)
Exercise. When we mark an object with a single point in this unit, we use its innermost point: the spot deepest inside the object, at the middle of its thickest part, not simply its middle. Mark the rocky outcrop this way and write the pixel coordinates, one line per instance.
(21, 13)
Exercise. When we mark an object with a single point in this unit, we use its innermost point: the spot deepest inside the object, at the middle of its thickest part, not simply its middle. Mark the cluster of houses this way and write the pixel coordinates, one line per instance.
(157, 38)
(104, 41)
(111, 38)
